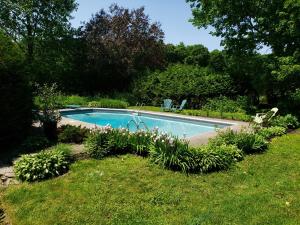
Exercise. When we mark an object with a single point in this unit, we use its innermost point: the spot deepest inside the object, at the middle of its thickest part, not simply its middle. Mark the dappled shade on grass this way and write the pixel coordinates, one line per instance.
(129, 190)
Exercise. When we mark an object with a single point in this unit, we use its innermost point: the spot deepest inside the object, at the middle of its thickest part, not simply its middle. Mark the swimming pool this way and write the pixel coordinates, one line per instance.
(181, 127)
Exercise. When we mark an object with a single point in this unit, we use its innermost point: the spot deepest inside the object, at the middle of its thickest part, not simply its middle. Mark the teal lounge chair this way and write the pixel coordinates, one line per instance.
(72, 106)
(167, 105)
(179, 107)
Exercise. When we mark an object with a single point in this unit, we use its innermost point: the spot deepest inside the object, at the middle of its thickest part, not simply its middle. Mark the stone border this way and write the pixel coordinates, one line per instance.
(194, 141)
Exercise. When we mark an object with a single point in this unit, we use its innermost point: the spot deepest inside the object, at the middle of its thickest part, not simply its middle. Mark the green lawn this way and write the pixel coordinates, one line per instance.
(262, 189)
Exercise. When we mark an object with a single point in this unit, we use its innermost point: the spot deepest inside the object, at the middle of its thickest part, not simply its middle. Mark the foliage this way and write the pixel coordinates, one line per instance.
(120, 43)
(16, 106)
(31, 22)
(270, 132)
(224, 104)
(246, 141)
(218, 114)
(47, 100)
(213, 158)
(141, 193)
(72, 134)
(183, 82)
(287, 121)
(245, 25)
(171, 153)
(35, 143)
(217, 61)
(97, 143)
(108, 103)
(43, 165)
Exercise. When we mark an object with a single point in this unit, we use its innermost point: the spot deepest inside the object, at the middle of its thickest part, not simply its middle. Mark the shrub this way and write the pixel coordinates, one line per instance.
(246, 141)
(141, 141)
(108, 103)
(35, 143)
(172, 153)
(97, 143)
(180, 82)
(72, 134)
(270, 132)
(213, 158)
(72, 100)
(16, 107)
(43, 165)
(288, 121)
(214, 114)
(224, 104)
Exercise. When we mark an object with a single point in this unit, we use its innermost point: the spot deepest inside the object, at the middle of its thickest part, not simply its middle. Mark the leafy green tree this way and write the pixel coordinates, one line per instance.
(30, 22)
(197, 55)
(247, 25)
(15, 94)
(217, 61)
(121, 43)
(180, 81)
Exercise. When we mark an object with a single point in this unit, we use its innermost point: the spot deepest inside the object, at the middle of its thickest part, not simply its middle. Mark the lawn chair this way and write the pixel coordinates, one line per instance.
(179, 107)
(264, 118)
(167, 105)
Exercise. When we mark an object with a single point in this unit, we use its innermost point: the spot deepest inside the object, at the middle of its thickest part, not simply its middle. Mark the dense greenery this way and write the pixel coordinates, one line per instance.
(45, 164)
(130, 190)
(180, 82)
(72, 134)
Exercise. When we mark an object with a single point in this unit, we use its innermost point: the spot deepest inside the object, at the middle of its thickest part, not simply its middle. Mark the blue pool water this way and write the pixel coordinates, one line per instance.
(175, 126)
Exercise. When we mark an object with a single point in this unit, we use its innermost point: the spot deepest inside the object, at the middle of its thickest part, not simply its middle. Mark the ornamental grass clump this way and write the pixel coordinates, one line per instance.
(97, 142)
(140, 141)
(172, 153)
(43, 165)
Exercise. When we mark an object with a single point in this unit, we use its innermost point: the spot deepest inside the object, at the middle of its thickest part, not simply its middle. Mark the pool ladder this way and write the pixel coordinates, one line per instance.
(136, 120)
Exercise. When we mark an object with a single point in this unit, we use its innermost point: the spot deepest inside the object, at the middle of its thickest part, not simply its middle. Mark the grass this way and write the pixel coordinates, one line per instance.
(205, 113)
(262, 189)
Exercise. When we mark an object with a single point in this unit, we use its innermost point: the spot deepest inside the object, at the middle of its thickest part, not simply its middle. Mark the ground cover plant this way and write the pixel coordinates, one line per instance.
(43, 165)
(130, 190)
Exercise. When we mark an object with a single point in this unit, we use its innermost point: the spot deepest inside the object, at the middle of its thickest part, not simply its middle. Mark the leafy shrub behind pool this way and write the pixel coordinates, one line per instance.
(108, 103)
(43, 165)
(246, 141)
(72, 134)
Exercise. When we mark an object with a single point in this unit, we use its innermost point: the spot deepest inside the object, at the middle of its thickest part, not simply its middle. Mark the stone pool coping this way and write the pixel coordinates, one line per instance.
(194, 141)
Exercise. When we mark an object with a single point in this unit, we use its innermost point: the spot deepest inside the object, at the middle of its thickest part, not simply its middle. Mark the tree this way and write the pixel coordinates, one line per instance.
(29, 22)
(197, 55)
(247, 25)
(15, 94)
(121, 43)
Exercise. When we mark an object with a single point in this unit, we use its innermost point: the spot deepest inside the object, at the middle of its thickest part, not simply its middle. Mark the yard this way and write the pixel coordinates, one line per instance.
(262, 189)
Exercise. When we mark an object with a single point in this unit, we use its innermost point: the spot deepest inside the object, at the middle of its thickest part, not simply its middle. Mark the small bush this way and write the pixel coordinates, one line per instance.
(246, 141)
(35, 143)
(224, 104)
(72, 134)
(141, 141)
(43, 165)
(270, 132)
(172, 153)
(215, 114)
(108, 103)
(97, 143)
(213, 158)
(289, 121)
